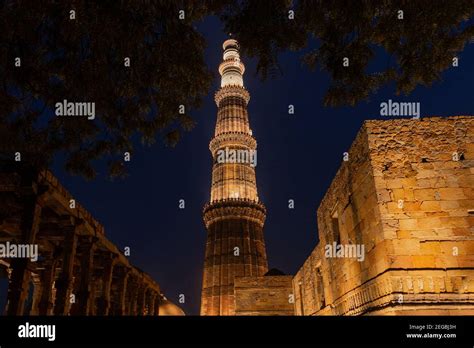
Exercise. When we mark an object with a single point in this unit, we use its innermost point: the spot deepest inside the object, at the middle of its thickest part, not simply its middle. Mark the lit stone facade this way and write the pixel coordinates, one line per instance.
(407, 194)
(234, 217)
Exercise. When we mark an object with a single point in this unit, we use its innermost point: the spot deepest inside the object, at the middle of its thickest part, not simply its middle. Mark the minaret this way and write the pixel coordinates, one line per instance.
(234, 217)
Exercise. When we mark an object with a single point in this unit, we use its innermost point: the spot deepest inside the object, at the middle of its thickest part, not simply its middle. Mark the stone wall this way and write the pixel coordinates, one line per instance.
(268, 295)
(406, 194)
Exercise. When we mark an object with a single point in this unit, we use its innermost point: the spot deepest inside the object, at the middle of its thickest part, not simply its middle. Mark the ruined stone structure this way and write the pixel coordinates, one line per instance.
(79, 271)
(234, 217)
(406, 193)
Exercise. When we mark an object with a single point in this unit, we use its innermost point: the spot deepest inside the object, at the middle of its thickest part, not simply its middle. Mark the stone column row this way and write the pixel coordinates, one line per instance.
(66, 284)
(138, 297)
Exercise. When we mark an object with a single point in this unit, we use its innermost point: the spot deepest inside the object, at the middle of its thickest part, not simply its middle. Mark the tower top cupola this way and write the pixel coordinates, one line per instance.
(231, 69)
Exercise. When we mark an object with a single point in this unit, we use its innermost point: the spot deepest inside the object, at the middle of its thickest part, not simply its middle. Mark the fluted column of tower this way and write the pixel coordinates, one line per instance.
(234, 217)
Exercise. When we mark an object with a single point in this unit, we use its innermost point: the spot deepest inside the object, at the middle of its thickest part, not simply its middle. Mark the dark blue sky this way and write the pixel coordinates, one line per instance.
(298, 155)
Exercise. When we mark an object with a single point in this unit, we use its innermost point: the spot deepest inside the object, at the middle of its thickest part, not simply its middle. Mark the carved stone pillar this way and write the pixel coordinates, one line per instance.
(151, 303)
(157, 304)
(133, 300)
(141, 298)
(93, 288)
(45, 306)
(65, 280)
(85, 294)
(103, 306)
(37, 291)
(122, 276)
(20, 276)
(9, 277)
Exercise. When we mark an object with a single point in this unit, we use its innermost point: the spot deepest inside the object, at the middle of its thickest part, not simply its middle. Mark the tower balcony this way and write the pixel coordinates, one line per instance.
(230, 43)
(230, 139)
(231, 64)
(234, 208)
(231, 91)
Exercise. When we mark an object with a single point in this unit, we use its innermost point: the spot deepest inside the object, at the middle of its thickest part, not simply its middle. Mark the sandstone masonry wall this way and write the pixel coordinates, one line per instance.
(407, 194)
(268, 295)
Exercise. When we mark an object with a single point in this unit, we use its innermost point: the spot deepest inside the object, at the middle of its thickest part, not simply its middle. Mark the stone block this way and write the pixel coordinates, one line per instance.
(408, 224)
(383, 195)
(466, 261)
(433, 233)
(468, 193)
(466, 181)
(424, 183)
(452, 194)
(430, 206)
(430, 222)
(426, 174)
(445, 262)
(450, 222)
(406, 246)
(466, 232)
(448, 205)
(430, 248)
(448, 164)
(394, 183)
(392, 207)
(423, 261)
(409, 183)
(425, 194)
(401, 234)
(466, 204)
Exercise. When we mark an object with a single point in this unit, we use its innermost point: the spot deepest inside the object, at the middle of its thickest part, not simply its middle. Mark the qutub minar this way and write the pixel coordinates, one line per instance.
(234, 217)
(405, 197)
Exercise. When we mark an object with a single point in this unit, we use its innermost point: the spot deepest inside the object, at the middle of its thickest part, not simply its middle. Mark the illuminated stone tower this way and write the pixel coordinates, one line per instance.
(234, 217)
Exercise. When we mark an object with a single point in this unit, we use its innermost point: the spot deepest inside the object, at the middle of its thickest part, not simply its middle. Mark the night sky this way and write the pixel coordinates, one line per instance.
(298, 155)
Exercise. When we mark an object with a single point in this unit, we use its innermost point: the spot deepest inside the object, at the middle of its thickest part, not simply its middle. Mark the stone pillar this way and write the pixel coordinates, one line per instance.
(9, 277)
(45, 306)
(146, 304)
(65, 280)
(38, 289)
(104, 300)
(20, 277)
(151, 303)
(93, 286)
(122, 283)
(133, 304)
(86, 295)
(141, 298)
